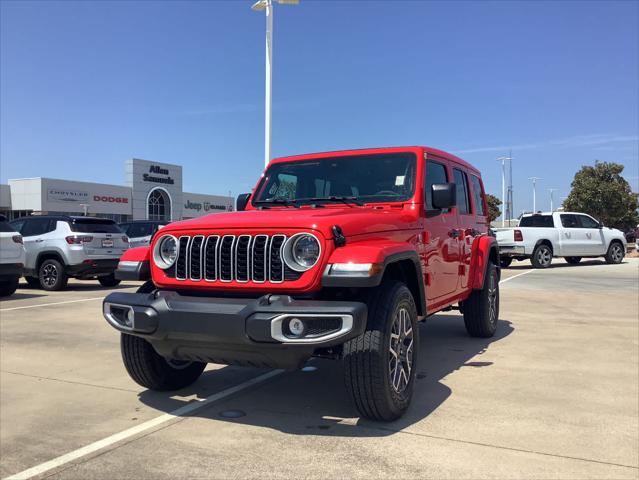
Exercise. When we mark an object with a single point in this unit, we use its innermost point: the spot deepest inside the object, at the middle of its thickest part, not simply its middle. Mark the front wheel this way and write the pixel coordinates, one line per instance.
(542, 256)
(615, 253)
(573, 260)
(379, 365)
(153, 371)
(109, 281)
(481, 309)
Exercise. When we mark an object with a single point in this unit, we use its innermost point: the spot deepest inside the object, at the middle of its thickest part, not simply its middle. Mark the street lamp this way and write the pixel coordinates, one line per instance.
(503, 188)
(534, 180)
(552, 191)
(267, 6)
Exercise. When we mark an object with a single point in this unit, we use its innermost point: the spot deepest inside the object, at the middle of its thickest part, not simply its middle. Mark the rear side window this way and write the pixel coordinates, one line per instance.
(569, 221)
(6, 227)
(461, 185)
(17, 225)
(477, 196)
(36, 226)
(435, 173)
(542, 221)
(94, 225)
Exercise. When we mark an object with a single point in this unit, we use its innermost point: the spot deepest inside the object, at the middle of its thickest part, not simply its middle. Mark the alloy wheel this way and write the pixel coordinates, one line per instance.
(49, 275)
(492, 298)
(544, 256)
(616, 253)
(400, 351)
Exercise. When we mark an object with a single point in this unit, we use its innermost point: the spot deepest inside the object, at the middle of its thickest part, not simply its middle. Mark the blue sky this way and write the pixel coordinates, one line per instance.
(86, 85)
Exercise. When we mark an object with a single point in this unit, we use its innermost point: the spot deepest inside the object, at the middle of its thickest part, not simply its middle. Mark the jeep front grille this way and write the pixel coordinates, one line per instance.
(227, 258)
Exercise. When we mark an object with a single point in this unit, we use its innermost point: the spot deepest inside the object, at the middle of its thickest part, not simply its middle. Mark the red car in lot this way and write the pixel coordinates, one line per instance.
(337, 255)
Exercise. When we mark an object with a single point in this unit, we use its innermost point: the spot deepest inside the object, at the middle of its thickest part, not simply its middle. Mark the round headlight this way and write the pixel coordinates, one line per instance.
(301, 252)
(165, 252)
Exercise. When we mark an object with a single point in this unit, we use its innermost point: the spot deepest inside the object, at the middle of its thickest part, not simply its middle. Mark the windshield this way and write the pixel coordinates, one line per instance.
(367, 178)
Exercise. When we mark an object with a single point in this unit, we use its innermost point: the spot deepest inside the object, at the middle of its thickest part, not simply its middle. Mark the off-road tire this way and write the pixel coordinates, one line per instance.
(504, 262)
(573, 260)
(51, 275)
(9, 287)
(33, 282)
(368, 358)
(481, 309)
(542, 256)
(109, 281)
(152, 371)
(615, 253)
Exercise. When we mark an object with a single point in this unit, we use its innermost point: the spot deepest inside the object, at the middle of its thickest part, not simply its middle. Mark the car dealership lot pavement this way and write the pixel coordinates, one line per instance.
(553, 395)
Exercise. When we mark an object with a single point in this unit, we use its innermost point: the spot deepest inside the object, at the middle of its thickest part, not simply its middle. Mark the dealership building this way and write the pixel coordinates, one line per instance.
(151, 191)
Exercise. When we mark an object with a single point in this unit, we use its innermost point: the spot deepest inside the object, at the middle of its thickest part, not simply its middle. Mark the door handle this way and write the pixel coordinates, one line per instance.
(39, 240)
(453, 233)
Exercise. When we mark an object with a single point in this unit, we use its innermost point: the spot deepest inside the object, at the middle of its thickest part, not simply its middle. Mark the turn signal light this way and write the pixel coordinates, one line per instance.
(519, 237)
(78, 239)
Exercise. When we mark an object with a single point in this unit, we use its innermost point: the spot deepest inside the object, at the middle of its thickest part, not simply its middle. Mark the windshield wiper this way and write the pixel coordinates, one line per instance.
(337, 198)
(276, 201)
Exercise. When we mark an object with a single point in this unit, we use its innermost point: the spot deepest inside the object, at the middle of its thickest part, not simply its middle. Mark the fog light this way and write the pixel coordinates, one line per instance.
(296, 326)
(130, 318)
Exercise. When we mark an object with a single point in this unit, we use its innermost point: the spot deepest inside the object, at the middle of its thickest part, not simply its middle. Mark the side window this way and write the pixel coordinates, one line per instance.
(284, 187)
(569, 221)
(462, 191)
(587, 222)
(477, 196)
(17, 225)
(435, 173)
(36, 226)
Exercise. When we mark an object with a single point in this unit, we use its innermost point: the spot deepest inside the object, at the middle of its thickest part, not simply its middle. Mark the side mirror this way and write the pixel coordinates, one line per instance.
(444, 195)
(242, 200)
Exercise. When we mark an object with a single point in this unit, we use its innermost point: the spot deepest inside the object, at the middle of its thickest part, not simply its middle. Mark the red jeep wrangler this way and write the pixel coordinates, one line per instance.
(336, 255)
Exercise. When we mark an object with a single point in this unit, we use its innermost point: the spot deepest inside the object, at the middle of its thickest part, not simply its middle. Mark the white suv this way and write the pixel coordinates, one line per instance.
(12, 258)
(59, 247)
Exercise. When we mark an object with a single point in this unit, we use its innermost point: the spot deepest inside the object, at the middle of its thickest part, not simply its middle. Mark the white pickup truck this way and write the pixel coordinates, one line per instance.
(542, 236)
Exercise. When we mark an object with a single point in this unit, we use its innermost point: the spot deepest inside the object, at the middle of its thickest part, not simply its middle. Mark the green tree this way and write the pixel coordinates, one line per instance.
(602, 192)
(493, 207)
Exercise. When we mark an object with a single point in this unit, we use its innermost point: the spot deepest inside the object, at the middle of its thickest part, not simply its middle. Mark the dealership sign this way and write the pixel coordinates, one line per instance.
(206, 206)
(63, 195)
(155, 170)
(110, 199)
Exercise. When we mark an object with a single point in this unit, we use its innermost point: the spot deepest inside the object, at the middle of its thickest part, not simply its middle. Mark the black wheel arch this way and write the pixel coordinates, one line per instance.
(48, 255)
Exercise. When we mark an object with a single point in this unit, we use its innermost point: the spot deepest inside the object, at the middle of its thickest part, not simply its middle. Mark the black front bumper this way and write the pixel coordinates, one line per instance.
(92, 268)
(234, 330)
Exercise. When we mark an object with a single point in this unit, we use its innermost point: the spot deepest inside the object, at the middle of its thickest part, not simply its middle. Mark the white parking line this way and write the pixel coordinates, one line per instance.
(52, 303)
(515, 276)
(118, 437)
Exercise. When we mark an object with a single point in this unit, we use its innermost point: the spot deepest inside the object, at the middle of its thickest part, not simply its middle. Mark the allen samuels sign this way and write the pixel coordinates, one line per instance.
(154, 171)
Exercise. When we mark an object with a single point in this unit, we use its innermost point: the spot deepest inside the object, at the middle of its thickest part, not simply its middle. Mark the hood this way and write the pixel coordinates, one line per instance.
(353, 220)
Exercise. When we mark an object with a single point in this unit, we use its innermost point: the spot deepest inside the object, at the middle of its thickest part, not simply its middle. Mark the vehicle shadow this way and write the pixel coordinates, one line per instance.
(528, 266)
(21, 296)
(84, 287)
(314, 401)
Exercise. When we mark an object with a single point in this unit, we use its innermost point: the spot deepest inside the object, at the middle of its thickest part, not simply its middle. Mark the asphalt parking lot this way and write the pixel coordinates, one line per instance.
(553, 395)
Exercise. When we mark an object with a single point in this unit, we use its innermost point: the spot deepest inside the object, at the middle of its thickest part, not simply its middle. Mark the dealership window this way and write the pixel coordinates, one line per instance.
(159, 205)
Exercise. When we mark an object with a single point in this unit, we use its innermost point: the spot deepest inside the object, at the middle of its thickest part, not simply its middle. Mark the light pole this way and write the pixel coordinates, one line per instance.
(534, 180)
(503, 188)
(552, 192)
(267, 6)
